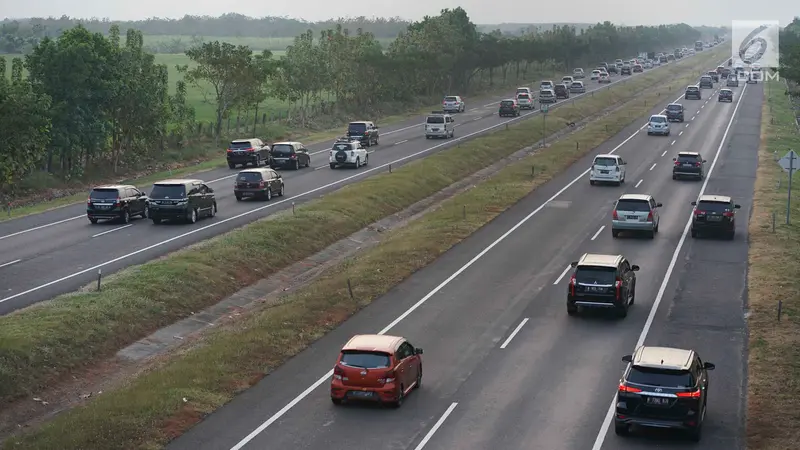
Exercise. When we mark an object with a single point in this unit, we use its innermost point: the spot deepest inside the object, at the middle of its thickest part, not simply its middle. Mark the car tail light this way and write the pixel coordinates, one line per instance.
(614, 215)
(692, 394)
(261, 184)
(698, 212)
(293, 157)
(118, 201)
(698, 164)
(338, 373)
(624, 388)
(387, 377)
(230, 150)
(572, 283)
(251, 149)
(618, 286)
(728, 214)
(650, 216)
(89, 201)
(677, 163)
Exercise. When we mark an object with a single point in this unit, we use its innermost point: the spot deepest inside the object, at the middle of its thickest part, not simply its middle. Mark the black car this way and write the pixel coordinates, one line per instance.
(602, 282)
(247, 151)
(184, 200)
(688, 164)
(258, 183)
(674, 112)
(612, 68)
(508, 107)
(706, 82)
(117, 202)
(626, 70)
(663, 387)
(726, 72)
(714, 76)
(291, 155)
(561, 91)
(714, 214)
(692, 92)
(726, 95)
(365, 132)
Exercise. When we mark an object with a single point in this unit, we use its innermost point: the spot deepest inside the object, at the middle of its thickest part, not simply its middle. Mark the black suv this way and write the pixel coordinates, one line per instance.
(706, 82)
(692, 92)
(674, 112)
(117, 202)
(714, 214)
(602, 281)
(725, 95)
(663, 388)
(508, 107)
(626, 69)
(291, 155)
(561, 91)
(688, 164)
(612, 68)
(247, 151)
(181, 200)
(258, 183)
(714, 76)
(365, 132)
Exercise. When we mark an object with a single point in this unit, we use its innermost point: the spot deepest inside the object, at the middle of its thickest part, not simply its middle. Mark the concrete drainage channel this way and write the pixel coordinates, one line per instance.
(272, 290)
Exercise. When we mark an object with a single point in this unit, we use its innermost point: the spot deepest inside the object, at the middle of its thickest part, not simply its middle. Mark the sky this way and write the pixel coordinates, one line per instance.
(628, 12)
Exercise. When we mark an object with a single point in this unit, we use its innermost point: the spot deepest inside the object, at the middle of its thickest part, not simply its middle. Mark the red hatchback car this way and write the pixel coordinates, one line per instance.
(376, 368)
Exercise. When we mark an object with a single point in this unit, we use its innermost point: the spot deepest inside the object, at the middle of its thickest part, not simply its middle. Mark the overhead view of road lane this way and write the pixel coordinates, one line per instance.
(36, 272)
(504, 364)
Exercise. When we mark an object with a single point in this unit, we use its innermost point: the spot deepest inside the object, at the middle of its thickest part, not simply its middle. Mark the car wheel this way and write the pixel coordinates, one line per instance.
(731, 235)
(146, 212)
(214, 209)
(238, 198)
(333, 165)
(622, 312)
(296, 165)
(269, 194)
(674, 177)
(336, 401)
(231, 166)
(633, 295)
(308, 162)
(192, 216)
(694, 233)
(592, 182)
(283, 190)
(358, 163)
(418, 384)
(126, 216)
(572, 310)
(156, 221)
(695, 434)
(651, 234)
(400, 397)
(656, 228)
(366, 160)
(93, 220)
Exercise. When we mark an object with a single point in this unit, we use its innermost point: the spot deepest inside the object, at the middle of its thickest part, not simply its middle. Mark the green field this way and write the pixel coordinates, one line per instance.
(203, 109)
(256, 43)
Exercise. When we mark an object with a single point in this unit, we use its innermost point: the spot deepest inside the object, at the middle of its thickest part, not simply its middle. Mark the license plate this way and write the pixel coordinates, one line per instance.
(247, 194)
(714, 218)
(594, 289)
(631, 217)
(239, 153)
(687, 165)
(604, 171)
(361, 394)
(657, 401)
(102, 206)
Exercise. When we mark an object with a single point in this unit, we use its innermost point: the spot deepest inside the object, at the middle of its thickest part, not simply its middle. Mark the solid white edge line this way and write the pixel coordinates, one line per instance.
(436, 426)
(563, 274)
(9, 263)
(514, 333)
(603, 227)
(112, 230)
(601, 435)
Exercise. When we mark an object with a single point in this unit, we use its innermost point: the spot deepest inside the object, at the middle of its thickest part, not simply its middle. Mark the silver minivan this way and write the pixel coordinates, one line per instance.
(637, 213)
(440, 125)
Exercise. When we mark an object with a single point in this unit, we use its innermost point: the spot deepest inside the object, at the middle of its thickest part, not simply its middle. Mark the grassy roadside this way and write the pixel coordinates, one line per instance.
(774, 264)
(150, 410)
(195, 158)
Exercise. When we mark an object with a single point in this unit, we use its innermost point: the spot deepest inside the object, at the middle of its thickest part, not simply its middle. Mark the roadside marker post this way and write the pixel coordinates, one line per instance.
(788, 165)
(545, 108)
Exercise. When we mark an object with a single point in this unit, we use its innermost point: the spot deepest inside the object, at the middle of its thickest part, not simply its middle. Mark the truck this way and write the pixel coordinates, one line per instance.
(698, 46)
(651, 55)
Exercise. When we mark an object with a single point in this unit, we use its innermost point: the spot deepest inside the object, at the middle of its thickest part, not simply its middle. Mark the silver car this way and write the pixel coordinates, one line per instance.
(637, 213)
(453, 103)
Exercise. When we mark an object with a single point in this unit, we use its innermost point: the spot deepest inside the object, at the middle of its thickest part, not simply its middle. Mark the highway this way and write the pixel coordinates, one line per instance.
(504, 366)
(59, 251)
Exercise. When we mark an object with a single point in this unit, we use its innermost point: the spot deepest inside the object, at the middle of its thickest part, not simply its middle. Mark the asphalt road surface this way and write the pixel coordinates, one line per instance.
(504, 366)
(59, 251)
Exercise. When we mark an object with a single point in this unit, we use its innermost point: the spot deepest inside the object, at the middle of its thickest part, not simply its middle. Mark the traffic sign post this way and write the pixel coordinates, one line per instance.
(545, 108)
(788, 164)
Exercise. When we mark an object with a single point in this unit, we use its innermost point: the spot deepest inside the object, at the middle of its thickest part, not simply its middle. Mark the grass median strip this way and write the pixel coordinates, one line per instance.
(774, 264)
(151, 408)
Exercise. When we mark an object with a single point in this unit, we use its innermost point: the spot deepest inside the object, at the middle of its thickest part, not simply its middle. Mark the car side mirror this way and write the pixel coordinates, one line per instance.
(705, 161)
(142, 194)
(627, 358)
(737, 206)
(674, 159)
(417, 351)
(635, 268)
(709, 366)
(659, 205)
(573, 264)
(279, 175)
(210, 191)
(694, 203)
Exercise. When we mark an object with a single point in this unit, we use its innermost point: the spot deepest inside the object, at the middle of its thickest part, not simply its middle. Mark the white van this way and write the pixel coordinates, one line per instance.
(607, 169)
(440, 125)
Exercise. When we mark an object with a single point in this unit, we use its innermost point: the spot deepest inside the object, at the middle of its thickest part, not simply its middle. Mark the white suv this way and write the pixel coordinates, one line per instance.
(658, 124)
(348, 153)
(607, 169)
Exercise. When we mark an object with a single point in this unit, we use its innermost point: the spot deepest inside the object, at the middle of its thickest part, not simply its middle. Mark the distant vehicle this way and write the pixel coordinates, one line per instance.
(658, 124)
(688, 164)
(346, 152)
(117, 202)
(439, 124)
(753, 77)
(714, 76)
(247, 151)
(636, 213)
(733, 81)
(663, 59)
(663, 387)
(626, 69)
(565, 80)
(376, 368)
(714, 214)
(578, 73)
(604, 78)
(577, 87)
(181, 199)
(698, 46)
(525, 101)
(726, 72)
(648, 64)
(670, 57)
(725, 95)
(546, 84)
(595, 75)
(692, 92)
(561, 91)
(607, 169)
(291, 155)
(638, 68)
(454, 103)
(509, 107)
(612, 68)
(524, 90)
(602, 282)
(364, 132)
(706, 82)
(675, 112)
(258, 183)
(547, 96)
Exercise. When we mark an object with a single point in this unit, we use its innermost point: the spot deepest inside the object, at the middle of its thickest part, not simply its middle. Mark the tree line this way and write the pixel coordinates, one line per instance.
(97, 100)
(790, 51)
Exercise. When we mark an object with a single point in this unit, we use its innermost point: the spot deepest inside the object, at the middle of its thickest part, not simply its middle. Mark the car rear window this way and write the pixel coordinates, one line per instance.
(717, 207)
(451, 99)
(605, 161)
(691, 89)
(674, 107)
(577, 84)
(705, 78)
(524, 96)
(660, 377)
(435, 119)
(633, 205)
(596, 275)
(506, 103)
(282, 149)
(688, 158)
(357, 127)
(104, 194)
(168, 191)
(250, 177)
(658, 119)
(241, 144)
(365, 360)
(345, 147)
